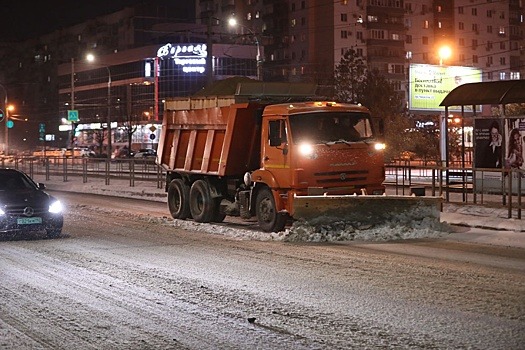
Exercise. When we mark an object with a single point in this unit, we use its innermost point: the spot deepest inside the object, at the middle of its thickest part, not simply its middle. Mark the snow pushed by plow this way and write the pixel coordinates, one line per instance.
(366, 218)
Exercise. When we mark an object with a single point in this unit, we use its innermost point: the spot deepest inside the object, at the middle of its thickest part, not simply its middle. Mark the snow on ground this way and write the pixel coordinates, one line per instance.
(301, 231)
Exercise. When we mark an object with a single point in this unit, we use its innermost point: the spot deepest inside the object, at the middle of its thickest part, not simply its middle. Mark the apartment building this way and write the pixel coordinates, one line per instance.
(307, 38)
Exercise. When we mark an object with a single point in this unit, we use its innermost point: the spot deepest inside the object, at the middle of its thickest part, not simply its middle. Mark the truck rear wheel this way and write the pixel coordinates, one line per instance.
(218, 217)
(178, 199)
(267, 216)
(202, 205)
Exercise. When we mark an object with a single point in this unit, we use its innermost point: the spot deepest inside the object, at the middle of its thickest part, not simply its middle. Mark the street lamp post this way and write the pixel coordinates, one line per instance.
(108, 121)
(233, 23)
(91, 58)
(6, 117)
(209, 50)
(72, 99)
(8, 110)
(72, 83)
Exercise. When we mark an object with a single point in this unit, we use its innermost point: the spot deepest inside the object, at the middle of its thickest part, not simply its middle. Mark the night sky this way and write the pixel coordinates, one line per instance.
(23, 19)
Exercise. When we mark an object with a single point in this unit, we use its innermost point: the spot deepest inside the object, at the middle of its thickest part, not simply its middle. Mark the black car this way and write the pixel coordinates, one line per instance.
(145, 153)
(26, 208)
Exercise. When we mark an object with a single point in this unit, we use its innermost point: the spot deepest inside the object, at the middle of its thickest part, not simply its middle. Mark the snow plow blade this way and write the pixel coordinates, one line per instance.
(367, 210)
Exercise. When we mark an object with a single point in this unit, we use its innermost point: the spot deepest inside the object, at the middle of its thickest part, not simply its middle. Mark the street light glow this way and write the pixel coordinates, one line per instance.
(444, 53)
(91, 58)
(232, 22)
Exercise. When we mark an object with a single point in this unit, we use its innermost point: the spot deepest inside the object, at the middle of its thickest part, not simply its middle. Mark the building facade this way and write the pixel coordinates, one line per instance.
(294, 40)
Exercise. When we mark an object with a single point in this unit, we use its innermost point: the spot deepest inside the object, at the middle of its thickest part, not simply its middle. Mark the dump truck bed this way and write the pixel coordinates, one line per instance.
(223, 140)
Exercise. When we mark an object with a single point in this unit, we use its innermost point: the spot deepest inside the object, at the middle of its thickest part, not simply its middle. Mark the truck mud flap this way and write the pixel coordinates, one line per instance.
(366, 210)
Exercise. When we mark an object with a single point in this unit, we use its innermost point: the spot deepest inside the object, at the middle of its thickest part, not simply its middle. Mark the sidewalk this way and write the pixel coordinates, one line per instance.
(456, 214)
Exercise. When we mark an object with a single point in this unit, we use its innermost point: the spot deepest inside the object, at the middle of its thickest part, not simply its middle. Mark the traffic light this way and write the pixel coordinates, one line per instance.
(2, 114)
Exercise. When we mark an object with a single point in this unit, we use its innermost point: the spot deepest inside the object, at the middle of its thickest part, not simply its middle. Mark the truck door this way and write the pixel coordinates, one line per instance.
(276, 156)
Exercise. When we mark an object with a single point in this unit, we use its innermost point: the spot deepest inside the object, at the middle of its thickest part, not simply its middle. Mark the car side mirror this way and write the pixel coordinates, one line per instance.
(41, 186)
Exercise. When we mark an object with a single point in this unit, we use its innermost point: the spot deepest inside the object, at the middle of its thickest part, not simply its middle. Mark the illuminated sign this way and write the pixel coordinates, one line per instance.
(429, 85)
(191, 57)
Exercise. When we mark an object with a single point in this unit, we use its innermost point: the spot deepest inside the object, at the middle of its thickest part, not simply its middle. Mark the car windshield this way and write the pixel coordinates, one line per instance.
(13, 181)
(330, 127)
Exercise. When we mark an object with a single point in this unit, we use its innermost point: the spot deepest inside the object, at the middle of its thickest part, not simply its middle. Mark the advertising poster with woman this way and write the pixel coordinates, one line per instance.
(515, 132)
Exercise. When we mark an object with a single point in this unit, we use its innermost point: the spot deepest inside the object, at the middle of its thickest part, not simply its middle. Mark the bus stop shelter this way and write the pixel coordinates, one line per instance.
(470, 95)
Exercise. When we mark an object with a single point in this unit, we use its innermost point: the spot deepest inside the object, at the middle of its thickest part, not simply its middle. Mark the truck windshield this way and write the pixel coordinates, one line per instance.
(330, 127)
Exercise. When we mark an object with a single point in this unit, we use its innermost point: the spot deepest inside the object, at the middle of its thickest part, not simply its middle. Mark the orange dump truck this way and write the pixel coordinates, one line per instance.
(274, 154)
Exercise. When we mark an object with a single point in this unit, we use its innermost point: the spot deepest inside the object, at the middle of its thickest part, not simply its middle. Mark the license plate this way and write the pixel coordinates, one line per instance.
(28, 221)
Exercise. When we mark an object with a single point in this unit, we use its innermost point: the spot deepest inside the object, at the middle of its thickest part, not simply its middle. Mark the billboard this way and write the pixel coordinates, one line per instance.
(429, 85)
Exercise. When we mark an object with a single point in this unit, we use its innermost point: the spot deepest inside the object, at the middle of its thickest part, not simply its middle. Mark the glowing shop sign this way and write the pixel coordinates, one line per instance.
(192, 57)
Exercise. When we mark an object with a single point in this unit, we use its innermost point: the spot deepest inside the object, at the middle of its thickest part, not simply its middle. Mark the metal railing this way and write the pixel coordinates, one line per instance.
(480, 186)
(486, 187)
(132, 169)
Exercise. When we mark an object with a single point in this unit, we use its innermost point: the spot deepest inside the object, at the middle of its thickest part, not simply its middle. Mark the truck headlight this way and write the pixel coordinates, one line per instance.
(379, 146)
(307, 150)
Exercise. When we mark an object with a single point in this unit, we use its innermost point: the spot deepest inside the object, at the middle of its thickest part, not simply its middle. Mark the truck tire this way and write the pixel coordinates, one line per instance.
(178, 199)
(203, 207)
(219, 217)
(267, 216)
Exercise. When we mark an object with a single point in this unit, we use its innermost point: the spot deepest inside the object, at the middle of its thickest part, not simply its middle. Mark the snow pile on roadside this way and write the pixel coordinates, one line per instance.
(336, 231)
(346, 231)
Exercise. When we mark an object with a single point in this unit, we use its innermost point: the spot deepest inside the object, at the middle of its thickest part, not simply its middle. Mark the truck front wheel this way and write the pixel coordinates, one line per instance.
(267, 216)
(202, 205)
(178, 199)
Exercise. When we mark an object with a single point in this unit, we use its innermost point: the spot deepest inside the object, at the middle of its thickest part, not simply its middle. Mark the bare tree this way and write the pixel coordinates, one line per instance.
(99, 135)
(130, 126)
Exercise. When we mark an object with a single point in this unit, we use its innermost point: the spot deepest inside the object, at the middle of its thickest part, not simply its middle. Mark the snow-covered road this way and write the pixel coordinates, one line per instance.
(125, 276)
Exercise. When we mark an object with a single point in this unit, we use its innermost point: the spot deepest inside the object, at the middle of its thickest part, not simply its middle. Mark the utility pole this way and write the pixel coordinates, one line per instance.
(209, 49)
(72, 100)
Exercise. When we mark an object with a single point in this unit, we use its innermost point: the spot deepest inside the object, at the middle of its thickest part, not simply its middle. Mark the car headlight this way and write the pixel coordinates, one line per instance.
(379, 146)
(307, 150)
(56, 207)
(2, 212)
